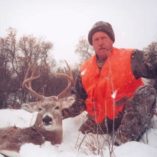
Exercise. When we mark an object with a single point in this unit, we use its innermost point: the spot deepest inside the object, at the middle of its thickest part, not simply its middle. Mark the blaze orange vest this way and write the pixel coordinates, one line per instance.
(106, 86)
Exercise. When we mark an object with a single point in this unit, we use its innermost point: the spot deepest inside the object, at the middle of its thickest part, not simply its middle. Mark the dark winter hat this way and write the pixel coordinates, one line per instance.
(101, 26)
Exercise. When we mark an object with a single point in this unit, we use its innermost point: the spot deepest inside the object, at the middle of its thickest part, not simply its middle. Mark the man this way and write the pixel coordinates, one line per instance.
(109, 87)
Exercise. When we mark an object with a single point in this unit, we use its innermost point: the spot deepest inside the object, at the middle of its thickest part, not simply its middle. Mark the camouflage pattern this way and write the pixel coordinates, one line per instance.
(144, 64)
(137, 115)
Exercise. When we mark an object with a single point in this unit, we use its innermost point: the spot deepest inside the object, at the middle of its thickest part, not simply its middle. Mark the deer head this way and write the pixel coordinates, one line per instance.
(50, 107)
(48, 125)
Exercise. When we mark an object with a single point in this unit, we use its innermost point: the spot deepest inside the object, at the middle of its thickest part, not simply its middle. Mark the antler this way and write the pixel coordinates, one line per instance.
(69, 77)
(27, 83)
(31, 75)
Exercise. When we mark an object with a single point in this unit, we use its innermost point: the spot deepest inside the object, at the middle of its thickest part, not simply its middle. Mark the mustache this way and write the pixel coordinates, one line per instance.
(103, 48)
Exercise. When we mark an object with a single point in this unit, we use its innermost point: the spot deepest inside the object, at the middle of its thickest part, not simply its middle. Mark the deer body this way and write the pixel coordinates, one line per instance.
(19, 136)
(47, 127)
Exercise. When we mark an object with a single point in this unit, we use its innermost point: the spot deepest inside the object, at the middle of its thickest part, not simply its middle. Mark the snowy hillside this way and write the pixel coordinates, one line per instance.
(77, 145)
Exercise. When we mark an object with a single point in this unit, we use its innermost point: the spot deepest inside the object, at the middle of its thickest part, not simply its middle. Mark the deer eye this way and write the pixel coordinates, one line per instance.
(39, 109)
(57, 108)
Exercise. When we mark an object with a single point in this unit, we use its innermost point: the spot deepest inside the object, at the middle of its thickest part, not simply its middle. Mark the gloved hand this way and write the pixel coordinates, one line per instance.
(150, 56)
(144, 63)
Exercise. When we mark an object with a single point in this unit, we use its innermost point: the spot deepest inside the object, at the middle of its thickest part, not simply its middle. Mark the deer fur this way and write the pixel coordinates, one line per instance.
(47, 127)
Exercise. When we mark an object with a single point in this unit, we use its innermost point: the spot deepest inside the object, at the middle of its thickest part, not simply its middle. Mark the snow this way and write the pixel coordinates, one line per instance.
(19, 118)
(76, 144)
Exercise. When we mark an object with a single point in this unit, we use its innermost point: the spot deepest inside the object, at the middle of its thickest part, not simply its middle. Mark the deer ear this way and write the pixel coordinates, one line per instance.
(30, 107)
(26, 107)
(67, 102)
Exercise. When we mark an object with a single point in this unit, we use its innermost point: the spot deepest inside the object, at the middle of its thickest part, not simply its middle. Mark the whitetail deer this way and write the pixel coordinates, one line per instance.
(48, 125)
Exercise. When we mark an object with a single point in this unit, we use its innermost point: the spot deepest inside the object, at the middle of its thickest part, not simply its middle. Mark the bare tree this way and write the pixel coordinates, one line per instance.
(5, 71)
(15, 56)
(83, 49)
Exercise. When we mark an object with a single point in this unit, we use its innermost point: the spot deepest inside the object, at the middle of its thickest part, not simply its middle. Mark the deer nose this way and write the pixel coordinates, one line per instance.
(47, 120)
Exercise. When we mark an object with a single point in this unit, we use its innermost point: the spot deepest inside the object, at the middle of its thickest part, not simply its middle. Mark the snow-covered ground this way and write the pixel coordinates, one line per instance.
(77, 145)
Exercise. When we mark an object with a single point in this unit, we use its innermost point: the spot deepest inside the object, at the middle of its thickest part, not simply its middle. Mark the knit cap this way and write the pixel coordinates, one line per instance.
(101, 26)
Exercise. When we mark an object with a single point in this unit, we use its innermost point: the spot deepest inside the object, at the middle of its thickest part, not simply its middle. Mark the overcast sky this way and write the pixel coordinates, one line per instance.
(64, 22)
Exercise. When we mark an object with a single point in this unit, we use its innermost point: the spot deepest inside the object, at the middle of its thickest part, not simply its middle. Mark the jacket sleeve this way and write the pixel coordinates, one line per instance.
(79, 104)
(144, 64)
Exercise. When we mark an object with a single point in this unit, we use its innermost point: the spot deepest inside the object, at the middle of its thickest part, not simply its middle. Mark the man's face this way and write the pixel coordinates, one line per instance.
(102, 44)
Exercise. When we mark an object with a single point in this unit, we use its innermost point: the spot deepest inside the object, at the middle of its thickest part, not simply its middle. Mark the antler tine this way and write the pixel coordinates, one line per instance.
(70, 74)
(30, 72)
(70, 79)
(27, 83)
(25, 77)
